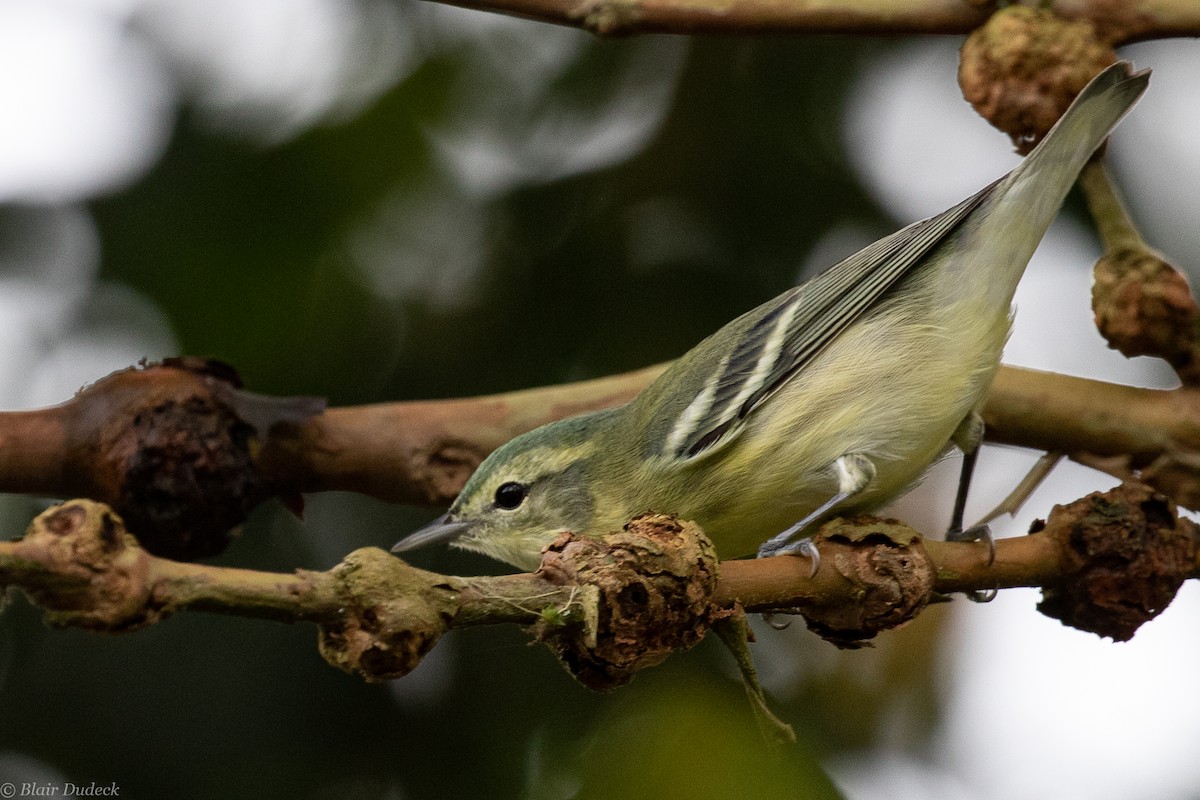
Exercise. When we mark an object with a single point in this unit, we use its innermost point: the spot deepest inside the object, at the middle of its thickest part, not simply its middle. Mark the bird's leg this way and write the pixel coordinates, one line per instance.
(968, 436)
(854, 473)
(980, 531)
(964, 488)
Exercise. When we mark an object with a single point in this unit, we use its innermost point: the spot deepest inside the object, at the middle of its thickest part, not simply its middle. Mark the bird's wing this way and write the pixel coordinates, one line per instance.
(794, 327)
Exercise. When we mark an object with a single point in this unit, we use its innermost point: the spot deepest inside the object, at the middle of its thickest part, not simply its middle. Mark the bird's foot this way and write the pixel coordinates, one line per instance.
(799, 547)
(977, 533)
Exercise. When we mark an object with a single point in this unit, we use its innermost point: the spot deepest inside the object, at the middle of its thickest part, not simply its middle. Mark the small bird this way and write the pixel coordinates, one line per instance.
(830, 399)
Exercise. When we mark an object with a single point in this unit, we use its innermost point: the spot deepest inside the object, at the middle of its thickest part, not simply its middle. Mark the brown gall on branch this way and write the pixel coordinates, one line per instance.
(389, 616)
(1143, 305)
(1024, 66)
(170, 446)
(1124, 555)
(1116, 22)
(651, 586)
(77, 562)
(875, 575)
(890, 572)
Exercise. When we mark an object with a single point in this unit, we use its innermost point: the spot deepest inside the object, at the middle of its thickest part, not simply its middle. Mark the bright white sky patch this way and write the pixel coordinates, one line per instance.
(1040, 710)
(917, 144)
(272, 68)
(85, 105)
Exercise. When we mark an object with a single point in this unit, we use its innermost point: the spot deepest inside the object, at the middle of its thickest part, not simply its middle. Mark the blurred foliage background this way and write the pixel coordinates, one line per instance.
(377, 200)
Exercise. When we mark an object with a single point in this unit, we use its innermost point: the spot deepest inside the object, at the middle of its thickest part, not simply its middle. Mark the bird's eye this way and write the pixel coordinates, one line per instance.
(510, 495)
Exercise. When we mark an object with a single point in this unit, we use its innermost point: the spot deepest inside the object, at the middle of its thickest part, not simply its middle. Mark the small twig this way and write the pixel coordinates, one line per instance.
(1113, 222)
(734, 631)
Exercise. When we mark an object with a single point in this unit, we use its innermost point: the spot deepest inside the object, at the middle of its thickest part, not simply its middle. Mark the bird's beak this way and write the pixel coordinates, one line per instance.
(443, 529)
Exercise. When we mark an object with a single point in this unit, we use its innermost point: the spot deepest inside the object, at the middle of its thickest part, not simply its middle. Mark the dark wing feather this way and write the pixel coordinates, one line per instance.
(820, 309)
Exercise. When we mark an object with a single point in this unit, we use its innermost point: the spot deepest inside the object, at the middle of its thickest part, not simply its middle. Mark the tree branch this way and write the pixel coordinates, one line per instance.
(1119, 23)
(613, 605)
(183, 454)
(1151, 434)
(422, 452)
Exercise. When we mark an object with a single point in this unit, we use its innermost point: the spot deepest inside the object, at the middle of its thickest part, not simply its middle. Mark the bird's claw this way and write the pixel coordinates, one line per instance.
(982, 595)
(975, 533)
(776, 624)
(800, 547)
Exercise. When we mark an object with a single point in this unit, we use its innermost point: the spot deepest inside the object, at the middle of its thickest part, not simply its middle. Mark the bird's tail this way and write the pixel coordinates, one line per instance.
(1034, 191)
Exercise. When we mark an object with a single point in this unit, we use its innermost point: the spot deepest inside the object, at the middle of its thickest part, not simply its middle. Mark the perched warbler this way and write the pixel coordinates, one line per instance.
(831, 398)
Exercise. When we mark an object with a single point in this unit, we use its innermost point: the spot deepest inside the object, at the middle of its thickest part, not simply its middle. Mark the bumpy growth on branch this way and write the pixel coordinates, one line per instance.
(1023, 68)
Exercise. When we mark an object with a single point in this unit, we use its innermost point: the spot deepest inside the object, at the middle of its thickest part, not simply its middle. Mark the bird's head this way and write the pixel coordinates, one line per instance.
(524, 494)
